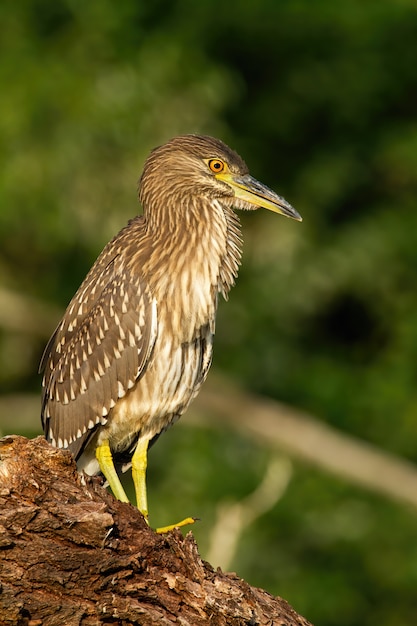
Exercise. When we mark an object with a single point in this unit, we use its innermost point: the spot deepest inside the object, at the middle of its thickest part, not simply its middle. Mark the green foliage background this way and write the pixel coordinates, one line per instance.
(320, 99)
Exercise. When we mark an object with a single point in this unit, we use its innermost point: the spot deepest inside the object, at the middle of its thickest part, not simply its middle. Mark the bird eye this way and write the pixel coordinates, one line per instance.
(216, 165)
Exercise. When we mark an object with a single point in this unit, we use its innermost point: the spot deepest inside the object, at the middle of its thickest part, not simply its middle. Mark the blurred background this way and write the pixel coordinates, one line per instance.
(305, 481)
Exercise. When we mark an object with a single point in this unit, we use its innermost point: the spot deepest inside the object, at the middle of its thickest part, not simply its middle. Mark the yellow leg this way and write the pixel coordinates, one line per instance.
(105, 460)
(139, 464)
(184, 522)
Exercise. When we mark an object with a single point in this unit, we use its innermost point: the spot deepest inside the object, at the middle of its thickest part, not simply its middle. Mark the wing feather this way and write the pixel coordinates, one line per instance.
(96, 355)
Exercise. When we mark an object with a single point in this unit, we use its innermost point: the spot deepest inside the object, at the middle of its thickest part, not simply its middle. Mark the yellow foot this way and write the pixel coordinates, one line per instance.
(184, 522)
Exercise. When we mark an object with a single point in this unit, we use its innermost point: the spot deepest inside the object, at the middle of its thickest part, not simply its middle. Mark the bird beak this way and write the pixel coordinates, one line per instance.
(250, 190)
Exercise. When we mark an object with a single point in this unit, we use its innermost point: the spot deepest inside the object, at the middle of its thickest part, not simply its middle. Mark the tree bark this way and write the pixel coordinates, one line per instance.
(70, 554)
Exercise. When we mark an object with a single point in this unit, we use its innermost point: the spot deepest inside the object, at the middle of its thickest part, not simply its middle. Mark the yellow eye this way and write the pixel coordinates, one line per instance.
(216, 166)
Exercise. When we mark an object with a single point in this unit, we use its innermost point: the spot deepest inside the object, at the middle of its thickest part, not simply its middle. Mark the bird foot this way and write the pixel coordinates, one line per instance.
(184, 522)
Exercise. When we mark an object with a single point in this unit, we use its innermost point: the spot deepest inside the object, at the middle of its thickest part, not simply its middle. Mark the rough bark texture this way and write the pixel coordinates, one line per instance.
(70, 554)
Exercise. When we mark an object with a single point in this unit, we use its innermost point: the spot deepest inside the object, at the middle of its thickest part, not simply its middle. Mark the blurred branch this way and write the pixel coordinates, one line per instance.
(20, 413)
(25, 314)
(234, 517)
(276, 426)
(308, 439)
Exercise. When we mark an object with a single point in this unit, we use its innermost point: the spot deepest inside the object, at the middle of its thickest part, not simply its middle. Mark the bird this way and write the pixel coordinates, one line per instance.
(135, 343)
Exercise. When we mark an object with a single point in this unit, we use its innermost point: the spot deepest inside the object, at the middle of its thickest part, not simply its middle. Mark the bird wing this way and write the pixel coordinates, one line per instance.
(96, 354)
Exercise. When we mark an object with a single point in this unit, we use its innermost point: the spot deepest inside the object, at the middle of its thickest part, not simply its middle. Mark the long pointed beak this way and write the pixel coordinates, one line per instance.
(250, 190)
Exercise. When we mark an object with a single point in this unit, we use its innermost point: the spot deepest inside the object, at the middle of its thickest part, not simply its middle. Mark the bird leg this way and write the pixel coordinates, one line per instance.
(105, 460)
(139, 464)
(184, 522)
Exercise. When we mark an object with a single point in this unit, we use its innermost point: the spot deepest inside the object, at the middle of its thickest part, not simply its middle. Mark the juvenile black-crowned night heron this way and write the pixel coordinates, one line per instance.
(135, 343)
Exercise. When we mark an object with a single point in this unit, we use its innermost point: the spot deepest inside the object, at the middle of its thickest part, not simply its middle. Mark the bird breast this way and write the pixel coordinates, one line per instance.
(173, 378)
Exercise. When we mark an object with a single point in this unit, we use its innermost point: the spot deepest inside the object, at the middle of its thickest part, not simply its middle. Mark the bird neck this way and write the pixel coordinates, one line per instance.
(201, 247)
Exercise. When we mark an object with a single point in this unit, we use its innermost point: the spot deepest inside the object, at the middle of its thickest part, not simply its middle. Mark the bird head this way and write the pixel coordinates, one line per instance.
(196, 166)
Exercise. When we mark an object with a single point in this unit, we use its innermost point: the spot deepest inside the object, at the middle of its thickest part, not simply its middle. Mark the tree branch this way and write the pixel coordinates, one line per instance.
(71, 554)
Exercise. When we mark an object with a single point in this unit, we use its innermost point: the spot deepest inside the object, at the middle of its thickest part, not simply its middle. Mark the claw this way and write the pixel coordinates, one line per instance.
(184, 522)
